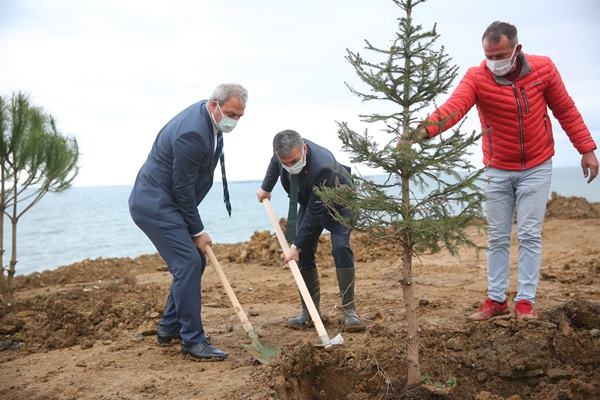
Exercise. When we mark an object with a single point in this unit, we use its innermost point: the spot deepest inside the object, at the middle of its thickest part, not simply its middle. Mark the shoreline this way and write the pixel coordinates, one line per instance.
(261, 248)
(559, 206)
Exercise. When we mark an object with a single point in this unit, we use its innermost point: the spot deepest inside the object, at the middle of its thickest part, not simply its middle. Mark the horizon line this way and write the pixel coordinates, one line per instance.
(241, 180)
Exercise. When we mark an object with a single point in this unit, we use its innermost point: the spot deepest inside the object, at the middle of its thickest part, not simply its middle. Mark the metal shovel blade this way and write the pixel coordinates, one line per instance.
(327, 342)
(263, 353)
(337, 340)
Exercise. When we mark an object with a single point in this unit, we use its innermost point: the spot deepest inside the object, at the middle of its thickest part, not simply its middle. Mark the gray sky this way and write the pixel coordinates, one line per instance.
(113, 72)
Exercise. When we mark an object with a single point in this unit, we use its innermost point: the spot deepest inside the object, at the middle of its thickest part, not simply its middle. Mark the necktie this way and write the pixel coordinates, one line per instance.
(290, 228)
(223, 176)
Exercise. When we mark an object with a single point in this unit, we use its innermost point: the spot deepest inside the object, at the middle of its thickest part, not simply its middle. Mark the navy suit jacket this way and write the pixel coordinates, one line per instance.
(179, 170)
(321, 169)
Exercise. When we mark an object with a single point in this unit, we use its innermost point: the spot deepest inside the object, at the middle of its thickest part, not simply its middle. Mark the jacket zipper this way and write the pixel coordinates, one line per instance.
(521, 133)
(489, 133)
(548, 133)
(525, 100)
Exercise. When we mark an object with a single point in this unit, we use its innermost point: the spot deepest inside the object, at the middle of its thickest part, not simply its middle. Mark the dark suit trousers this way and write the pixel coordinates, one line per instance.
(186, 265)
(340, 243)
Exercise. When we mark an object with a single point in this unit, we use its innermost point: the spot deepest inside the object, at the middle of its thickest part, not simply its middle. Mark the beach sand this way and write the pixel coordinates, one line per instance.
(86, 331)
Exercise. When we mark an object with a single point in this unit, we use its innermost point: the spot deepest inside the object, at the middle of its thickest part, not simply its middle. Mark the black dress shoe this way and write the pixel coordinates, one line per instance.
(203, 351)
(164, 339)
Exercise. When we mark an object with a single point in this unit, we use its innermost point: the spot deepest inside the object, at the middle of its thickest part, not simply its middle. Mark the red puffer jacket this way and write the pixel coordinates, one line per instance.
(517, 133)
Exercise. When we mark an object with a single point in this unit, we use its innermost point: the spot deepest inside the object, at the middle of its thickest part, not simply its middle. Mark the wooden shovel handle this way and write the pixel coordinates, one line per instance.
(310, 305)
(232, 297)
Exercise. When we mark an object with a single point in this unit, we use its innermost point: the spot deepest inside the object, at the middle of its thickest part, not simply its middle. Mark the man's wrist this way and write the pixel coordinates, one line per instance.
(293, 247)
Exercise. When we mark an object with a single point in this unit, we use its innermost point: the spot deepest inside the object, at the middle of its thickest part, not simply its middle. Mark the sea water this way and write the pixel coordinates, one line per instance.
(92, 222)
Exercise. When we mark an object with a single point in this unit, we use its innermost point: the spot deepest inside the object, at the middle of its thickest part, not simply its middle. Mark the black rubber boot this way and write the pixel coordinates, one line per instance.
(352, 322)
(311, 278)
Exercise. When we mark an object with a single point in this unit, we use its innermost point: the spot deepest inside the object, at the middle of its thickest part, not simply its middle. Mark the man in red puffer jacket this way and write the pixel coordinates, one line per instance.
(512, 92)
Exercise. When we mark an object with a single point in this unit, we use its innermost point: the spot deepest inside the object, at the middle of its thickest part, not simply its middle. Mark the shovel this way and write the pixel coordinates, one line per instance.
(262, 353)
(326, 341)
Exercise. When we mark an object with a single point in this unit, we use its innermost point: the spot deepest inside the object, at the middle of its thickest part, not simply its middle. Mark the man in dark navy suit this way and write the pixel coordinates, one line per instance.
(303, 165)
(164, 204)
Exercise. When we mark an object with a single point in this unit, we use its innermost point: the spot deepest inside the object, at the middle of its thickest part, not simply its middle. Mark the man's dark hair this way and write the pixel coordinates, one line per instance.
(494, 32)
(285, 141)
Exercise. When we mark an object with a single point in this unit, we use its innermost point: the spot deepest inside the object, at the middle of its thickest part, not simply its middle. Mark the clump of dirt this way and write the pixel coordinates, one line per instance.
(571, 207)
(550, 358)
(576, 313)
(262, 249)
(368, 247)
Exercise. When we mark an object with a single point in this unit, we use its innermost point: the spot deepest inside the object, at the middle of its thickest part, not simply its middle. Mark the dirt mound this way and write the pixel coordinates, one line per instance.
(571, 207)
(554, 357)
(80, 316)
(357, 371)
(99, 269)
(580, 314)
(546, 357)
(263, 249)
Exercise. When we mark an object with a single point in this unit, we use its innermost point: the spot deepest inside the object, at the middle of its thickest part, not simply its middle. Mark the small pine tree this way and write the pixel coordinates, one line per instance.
(34, 159)
(410, 74)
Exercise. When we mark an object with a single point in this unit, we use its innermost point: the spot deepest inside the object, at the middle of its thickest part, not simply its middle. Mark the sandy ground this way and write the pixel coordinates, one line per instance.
(86, 331)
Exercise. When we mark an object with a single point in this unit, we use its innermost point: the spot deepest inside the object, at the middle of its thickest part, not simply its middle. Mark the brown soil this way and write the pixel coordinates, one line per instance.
(86, 331)
(571, 207)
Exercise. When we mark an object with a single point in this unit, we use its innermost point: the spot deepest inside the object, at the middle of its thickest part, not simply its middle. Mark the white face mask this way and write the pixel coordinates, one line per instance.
(227, 123)
(502, 67)
(296, 168)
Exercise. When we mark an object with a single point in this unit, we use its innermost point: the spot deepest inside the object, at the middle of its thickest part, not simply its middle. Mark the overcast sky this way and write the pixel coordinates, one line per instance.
(113, 72)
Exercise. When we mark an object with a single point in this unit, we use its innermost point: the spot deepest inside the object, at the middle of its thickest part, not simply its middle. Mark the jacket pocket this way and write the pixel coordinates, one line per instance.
(548, 130)
(525, 100)
(488, 132)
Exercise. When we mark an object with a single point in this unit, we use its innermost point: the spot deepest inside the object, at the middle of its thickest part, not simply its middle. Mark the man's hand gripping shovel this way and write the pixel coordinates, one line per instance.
(326, 341)
(264, 354)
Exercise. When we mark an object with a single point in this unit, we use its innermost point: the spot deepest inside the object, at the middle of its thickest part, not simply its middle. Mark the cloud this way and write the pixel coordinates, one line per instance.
(114, 72)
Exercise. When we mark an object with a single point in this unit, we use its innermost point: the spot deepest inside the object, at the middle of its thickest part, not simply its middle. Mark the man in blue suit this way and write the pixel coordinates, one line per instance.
(303, 165)
(164, 204)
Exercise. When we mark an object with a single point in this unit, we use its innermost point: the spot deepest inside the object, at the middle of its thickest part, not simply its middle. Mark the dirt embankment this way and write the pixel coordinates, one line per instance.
(85, 331)
(571, 207)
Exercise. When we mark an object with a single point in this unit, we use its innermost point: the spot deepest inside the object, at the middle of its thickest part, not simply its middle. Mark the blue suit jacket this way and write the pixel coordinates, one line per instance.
(179, 170)
(321, 169)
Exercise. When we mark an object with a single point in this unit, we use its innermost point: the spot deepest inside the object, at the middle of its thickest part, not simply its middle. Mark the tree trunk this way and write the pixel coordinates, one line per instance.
(410, 306)
(7, 289)
(12, 266)
(13, 253)
(5, 295)
(412, 347)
